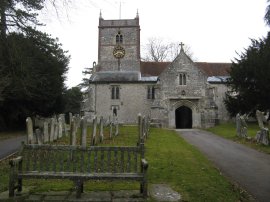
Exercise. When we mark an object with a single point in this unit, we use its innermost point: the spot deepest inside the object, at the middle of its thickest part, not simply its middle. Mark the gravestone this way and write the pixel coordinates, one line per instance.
(38, 135)
(101, 135)
(56, 130)
(143, 127)
(30, 132)
(83, 132)
(140, 139)
(262, 136)
(94, 131)
(116, 128)
(70, 117)
(46, 132)
(60, 127)
(52, 126)
(241, 125)
(73, 132)
(261, 118)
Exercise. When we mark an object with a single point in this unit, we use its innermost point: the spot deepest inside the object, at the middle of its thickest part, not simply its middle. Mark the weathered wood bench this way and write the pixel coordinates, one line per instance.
(78, 164)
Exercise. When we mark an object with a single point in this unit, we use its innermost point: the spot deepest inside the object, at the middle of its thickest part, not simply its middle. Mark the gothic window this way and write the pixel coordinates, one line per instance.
(115, 94)
(182, 79)
(151, 92)
(119, 38)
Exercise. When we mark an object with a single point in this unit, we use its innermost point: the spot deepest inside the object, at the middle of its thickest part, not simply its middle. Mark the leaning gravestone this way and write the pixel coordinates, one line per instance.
(262, 136)
(241, 125)
(30, 133)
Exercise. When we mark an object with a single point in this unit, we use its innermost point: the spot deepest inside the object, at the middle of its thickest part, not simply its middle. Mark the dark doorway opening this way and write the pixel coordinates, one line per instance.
(183, 117)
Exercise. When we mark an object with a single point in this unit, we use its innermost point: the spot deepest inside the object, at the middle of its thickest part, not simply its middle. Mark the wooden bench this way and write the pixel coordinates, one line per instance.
(78, 164)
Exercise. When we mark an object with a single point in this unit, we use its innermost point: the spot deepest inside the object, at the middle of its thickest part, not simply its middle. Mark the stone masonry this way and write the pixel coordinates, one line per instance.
(180, 94)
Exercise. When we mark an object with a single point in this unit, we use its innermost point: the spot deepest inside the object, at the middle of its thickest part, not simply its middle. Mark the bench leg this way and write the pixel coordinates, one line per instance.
(143, 189)
(79, 188)
(11, 188)
(20, 184)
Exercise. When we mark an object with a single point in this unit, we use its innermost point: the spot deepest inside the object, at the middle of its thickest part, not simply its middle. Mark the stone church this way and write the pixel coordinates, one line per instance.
(177, 94)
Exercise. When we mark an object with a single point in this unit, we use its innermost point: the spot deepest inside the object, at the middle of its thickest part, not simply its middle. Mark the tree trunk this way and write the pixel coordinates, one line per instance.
(3, 20)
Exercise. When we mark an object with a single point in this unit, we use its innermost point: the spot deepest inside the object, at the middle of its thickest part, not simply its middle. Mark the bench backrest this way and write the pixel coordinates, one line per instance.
(94, 159)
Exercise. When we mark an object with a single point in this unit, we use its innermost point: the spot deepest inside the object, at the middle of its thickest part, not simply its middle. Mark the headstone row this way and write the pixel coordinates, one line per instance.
(50, 130)
(262, 136)
(97, 134)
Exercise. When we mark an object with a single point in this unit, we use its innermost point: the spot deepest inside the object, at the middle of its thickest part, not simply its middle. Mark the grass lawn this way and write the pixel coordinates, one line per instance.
(228, 130)
(172, 161)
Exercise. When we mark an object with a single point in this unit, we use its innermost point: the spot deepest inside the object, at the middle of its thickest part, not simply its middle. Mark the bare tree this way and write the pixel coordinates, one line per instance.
(267, 14)
(158, 50)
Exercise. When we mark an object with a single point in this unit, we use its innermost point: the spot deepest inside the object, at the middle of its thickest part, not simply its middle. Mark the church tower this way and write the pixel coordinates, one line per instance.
(119, 45)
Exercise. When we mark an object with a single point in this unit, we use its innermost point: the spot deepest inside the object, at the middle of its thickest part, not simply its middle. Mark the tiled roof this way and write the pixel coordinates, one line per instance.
(214, 69)
(210, 69)
(153, 68)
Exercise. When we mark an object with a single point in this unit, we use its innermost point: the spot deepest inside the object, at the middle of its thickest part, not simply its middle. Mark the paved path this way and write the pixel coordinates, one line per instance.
(10, 146)
(246, 166)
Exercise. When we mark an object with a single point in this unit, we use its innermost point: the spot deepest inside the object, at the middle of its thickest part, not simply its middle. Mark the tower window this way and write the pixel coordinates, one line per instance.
(115, 93)
(182, 79)
(151, 92)
(119, 38)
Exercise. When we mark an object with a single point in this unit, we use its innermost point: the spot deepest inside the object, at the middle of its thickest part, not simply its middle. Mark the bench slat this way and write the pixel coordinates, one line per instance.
(71, 175)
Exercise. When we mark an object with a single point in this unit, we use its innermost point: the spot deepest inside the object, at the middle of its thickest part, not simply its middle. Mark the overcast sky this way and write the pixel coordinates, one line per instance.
(213, 29)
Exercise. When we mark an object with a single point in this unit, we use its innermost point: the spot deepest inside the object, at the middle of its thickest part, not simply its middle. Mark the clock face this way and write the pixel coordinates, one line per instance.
(118, 52)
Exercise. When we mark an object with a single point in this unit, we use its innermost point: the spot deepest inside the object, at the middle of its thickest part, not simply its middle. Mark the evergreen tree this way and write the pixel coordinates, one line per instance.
(250, 79)
(18, 15)
(73, 98)
(37, 72)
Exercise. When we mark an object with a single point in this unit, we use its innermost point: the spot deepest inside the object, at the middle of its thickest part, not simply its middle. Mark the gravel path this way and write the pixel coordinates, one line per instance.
(246, 166)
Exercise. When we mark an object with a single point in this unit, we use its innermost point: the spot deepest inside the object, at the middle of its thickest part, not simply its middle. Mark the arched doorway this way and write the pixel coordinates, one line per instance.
(183, 117)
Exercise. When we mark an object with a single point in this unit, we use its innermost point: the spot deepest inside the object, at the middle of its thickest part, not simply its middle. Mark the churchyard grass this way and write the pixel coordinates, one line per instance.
(228, 131)
(172, 161)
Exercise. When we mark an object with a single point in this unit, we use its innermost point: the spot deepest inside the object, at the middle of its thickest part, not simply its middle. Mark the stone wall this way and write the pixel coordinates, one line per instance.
(133, 100)
(219, 94)
(130, 30)
(171, 95)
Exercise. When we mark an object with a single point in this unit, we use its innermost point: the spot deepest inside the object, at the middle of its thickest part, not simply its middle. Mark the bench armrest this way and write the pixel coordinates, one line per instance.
(15, 161)
(144, 165)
